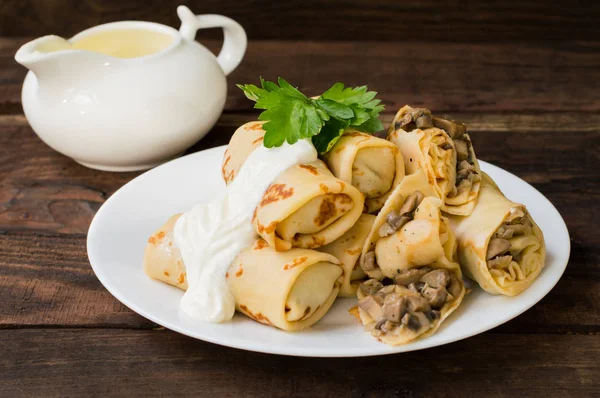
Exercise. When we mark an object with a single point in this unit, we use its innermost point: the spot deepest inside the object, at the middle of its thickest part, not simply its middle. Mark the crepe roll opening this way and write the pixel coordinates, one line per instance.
(411, 304)
(418, 238)
(512, 253)
(370, 171)
(311, 289)
(315, 215)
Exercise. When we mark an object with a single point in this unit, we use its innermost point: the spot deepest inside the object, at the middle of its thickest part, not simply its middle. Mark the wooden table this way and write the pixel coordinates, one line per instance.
(532, 109)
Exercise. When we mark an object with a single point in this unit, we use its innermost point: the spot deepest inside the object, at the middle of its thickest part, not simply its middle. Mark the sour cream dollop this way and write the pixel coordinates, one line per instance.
(212, 234)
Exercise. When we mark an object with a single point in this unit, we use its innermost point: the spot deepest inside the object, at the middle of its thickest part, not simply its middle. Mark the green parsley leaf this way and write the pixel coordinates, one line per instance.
(329, 135)
(291, 116)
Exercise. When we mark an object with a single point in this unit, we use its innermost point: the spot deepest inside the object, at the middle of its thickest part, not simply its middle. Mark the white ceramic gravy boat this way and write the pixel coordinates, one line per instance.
(128, 95)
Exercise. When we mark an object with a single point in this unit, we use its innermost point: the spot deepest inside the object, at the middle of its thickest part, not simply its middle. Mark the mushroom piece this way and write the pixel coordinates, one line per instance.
(412, 201)
(417, 303)
(501, 262)
(411, 322)
(453, 128)
(497, 246)
(371, 307)
(436, 296)
(416, 287)
(371, 286)
(462, 150)
(504, 233)
(437, 278)
(397, 221)
(424, 121)
(409, 276)
(454, 287)
(367, 262)
(386, 230)
(394, 311)
(446, 146)
(432, 315)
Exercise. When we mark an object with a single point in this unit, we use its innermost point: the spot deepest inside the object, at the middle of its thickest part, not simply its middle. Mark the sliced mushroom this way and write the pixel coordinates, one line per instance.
(504, 233)
(436, 296)
(432, 315)
(371, 307)
(409, 276)
(446, 146)
(411, 322)
(424, 121)
(464, 165)
(437, 278)
(367, 262)
(388, 326)
(453, 128)
(397, 221)
(417, 303)
(455, 287)
(423, 319)
(395, 310)
(462, 150)
(412, 201)
(371, 286)
(500, 262)
(386, 230)
(416, 287)
(497, 246)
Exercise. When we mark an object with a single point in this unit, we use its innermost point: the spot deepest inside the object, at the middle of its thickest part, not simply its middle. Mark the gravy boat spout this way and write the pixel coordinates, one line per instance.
(55, 57)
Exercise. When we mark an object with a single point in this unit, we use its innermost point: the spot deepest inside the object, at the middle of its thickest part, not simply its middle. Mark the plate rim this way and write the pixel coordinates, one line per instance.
(306, 351)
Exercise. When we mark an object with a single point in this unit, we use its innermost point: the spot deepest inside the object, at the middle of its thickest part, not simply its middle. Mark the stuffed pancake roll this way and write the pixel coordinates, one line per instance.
(347, 249)
(290, 290)
(409, 231)
(412, 305)
(499, 244)
(307, 207)
(371, 164)
(444, 149)
(245, 139)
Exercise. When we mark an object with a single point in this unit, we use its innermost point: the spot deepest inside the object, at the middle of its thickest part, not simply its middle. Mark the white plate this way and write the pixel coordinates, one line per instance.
(118, 235)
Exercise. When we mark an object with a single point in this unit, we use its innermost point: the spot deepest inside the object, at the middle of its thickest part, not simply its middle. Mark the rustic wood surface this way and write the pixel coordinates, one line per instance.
(533, 109)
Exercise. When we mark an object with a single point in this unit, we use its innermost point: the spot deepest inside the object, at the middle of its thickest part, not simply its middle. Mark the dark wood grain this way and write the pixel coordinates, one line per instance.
(383, 20)
(141, 363)
(451, 77)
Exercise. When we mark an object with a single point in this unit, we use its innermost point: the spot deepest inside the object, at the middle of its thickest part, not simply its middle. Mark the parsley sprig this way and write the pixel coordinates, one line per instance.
(290, 115)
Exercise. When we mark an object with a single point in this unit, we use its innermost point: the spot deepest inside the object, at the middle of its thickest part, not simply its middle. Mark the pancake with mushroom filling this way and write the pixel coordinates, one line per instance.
(371, 164)
(444, 149)
(411, 305)
(499, 244)
(347, 249)
(408, 232)
(290, 290)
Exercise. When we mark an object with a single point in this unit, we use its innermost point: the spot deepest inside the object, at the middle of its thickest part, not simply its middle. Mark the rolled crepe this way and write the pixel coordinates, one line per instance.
(413, 306)
(371, 164)
(347, 249)
(307, 207)
(290, 290)
(409, 231)
(245, 139)
(444, 150)
(499, 244)
(162, 259)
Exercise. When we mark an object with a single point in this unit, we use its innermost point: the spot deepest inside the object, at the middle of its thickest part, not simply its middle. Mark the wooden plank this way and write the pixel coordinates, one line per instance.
(47, 281)
(454, 77)
(152, 363)
(383, 20)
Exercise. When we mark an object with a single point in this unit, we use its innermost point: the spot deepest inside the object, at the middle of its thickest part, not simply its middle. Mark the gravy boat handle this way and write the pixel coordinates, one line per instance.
(235, 40)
